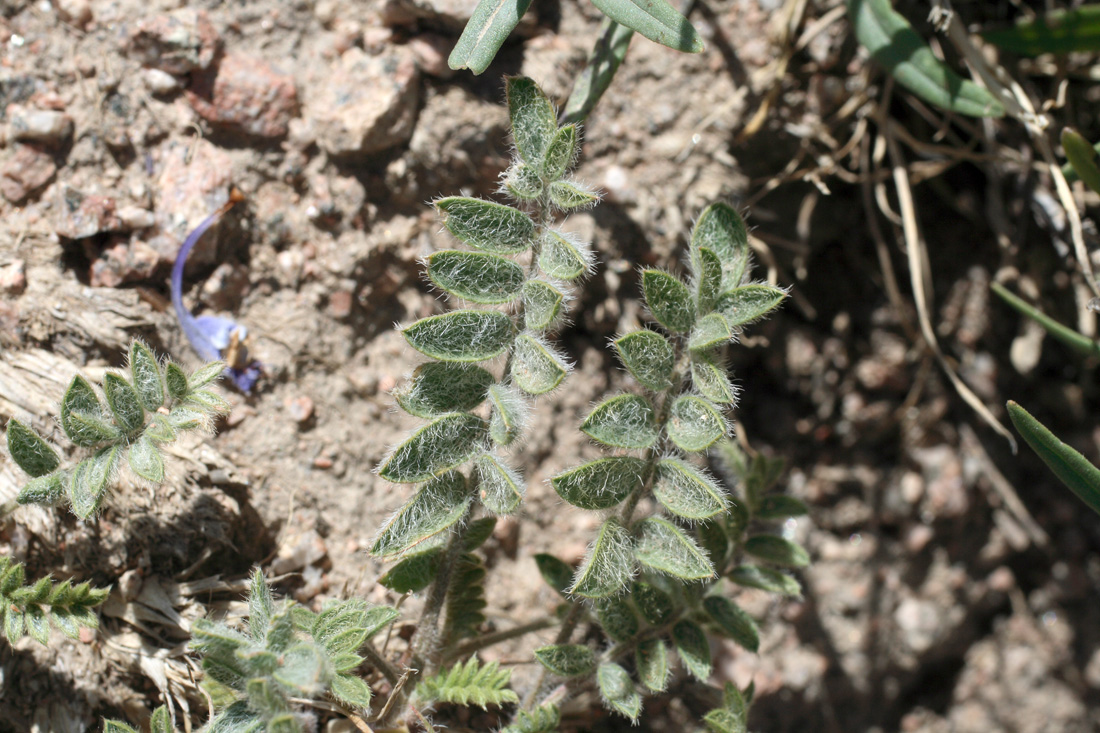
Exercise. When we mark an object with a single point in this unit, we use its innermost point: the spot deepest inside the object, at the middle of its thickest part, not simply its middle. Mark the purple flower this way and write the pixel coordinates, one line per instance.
(214, 337)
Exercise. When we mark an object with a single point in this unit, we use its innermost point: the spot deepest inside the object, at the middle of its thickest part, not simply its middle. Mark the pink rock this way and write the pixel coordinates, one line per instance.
(366, 103)
(123, 262)
(47, 126)
(189, 188)
(300, 408)
(246, 93)
(13, 277)
(431, 52)
(179, 43)
(78, 215)
(340, 303)
(25, 172)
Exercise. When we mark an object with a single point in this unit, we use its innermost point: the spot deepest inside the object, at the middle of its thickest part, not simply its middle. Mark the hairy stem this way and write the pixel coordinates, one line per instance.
(488, 640)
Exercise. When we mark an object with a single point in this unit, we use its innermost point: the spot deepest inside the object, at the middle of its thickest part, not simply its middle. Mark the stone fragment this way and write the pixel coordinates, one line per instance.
(25, 172)
(368, 103)
(192, 182)
(179, 42)
(299, 550)
(245, 93)
(13, 277)
(299, 408)
(123, 262)
(135, 217)
(76, 12)
(161, 83)
(431, 52)
(78, 215)
(47, 126)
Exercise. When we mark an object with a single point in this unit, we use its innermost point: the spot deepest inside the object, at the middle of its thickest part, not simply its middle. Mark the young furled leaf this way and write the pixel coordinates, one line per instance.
(654, 604)
(544, 719)
(88, 482)
(708, 278)
(617, 618)
(694, 424)
(480, 277)
(437, 506)
(508, 413)
(486, 225)
(442, 444)
(175, 379)
(617, 690)
(623, 421)
(769, 579)
(566, 660)
(29, 451)
(662, 546)
(557, 574)
(465, 607)
(146, 460)
(732, 620)
(82, 416)
(776, 550)
(709, 377)
(439, 387)
(523, 182)
(686, 491)
(649, 357)
(600, 484)
(535, 366)
(461, 335)
(541, 304)
(722, 230)
(651, 664)
(710, 331)
(669, 300)
(564, 257)
(607, 568)
(500, 487)
(560, 153)
(534, 121)
(567, 195)
(693, 648)
(748, 303)
(146, 375)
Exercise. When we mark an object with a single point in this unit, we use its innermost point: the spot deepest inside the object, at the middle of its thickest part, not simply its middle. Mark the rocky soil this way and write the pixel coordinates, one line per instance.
(953, 586)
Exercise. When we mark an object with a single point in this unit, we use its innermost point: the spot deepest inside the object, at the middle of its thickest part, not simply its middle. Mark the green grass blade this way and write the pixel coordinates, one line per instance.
(1060, 31)
(656, 20)
(1071, 468)
(488, 28)
(604, 61)
(1065, 334)
(1082, 158)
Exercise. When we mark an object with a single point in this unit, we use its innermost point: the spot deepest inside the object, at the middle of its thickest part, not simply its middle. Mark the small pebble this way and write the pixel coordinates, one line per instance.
(135, 217)
(13, 277)
(41, 125)
(161, 82)
(300, 408)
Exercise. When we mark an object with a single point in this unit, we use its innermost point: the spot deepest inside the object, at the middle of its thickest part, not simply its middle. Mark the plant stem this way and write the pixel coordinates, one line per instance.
(388, 670)
(572, 618)
(488, 640)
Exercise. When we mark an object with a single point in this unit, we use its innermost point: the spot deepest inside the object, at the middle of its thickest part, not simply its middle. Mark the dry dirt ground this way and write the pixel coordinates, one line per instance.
(953, 587)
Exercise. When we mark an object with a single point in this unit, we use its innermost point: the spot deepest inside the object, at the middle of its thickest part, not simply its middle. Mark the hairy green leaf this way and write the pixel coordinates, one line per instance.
(535, 366)
(89, 480)
(486, 225)
(480, 277)
(508, 414)
(469, 684)
(560, 153)
(45, 490)
(439, 387)
(607, 567)
(623, 421)
(708, 278)
(206, 374)
(566, 660)
(603, 63)
(656, 20)
(651, 664)
(649, 357)
(82, 416)
(732, 620)
(710, 331)
(557, 574)
(175, 379)
(600, 484)
(500, 487)
(161, 721)
(732, 717)
(442, 444)
(29, 451)
(617, 690)
(523, 182)
(564, 257)
(662, 546)
(722, 230)
(1071, 468)
(694, 424)
(541, 304)
(1063, 30)
(617, 618)
(146, 375)
(654, 604)
(669, 300)
(351, 690)
(686, 491)
(544, 719)
(693, 647)
(436, 507)
(414, 572)
(567, 195)
(776, 550)
(769, 579)
(117, 726)
(749, 302)
(710, 378)
(534, 122)
(904, 54)
(461, 335)
(145, 460)
(485, 32)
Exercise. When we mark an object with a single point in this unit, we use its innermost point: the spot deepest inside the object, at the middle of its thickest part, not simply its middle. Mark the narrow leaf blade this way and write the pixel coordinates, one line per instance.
(1071, 468)
(489, 26)
(656, 20)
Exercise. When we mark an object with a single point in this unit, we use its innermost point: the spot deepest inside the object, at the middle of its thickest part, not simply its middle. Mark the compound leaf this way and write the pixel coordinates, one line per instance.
(607, 567)
(623, 421)
(439, 387)
(669, 300)
(480, 277)
(649, 357)
(437, 506)
(470, 684)
(694, 424)
(442, 444)
(487, 225)
(461, 335)
(600, 484)
(662, 546)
